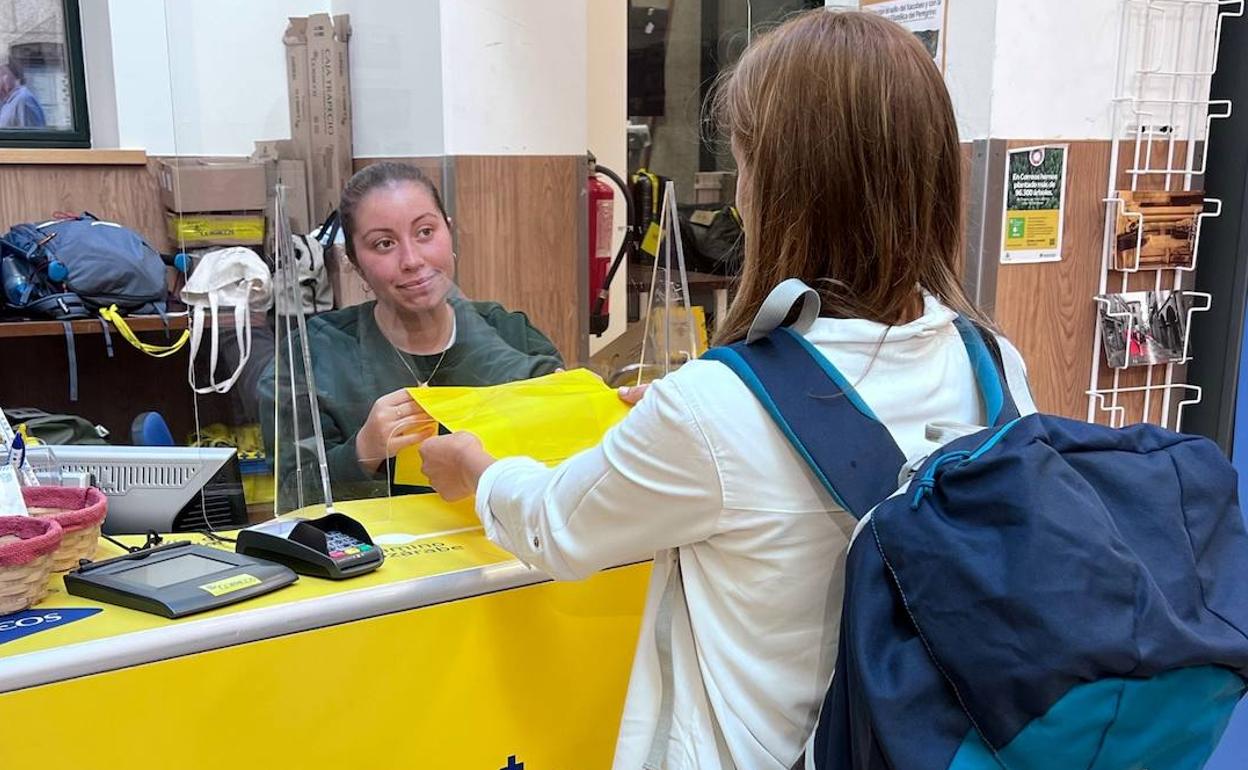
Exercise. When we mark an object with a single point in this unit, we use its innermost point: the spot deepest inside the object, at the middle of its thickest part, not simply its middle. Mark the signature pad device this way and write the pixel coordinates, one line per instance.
(334, 546)
(177, 579)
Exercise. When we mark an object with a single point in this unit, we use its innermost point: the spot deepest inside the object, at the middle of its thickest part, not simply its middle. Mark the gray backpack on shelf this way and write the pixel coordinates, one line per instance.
(108, 264)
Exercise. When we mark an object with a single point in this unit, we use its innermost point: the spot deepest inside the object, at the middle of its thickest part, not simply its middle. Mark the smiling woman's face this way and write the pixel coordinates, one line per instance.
(403, 247)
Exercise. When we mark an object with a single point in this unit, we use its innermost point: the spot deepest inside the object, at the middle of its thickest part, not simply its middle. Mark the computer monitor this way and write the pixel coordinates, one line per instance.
(161, 488)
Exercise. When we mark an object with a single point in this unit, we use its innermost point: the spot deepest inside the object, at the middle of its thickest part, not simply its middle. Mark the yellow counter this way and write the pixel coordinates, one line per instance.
(451, 655)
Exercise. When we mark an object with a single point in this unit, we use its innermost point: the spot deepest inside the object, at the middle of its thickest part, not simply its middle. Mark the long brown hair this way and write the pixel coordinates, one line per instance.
(852, 175)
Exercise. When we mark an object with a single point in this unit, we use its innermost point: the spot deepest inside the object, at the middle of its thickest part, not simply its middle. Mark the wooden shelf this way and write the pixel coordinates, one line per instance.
(139, 323)
(19, 156)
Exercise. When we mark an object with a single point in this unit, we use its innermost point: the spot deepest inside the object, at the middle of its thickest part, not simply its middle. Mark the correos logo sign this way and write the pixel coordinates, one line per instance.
(30, 621)
(22, 624)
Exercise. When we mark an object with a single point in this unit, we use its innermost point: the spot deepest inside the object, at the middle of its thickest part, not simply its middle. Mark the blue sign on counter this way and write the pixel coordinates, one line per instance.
(27, 622)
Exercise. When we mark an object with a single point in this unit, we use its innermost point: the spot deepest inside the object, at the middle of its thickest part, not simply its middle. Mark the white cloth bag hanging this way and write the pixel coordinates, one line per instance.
(234, 277)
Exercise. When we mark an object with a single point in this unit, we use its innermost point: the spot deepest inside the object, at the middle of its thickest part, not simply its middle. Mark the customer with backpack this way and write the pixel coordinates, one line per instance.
(850, 180)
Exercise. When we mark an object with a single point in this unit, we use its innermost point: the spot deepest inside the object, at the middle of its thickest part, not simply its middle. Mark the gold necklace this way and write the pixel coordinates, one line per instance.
(419, 384)
(403, 356)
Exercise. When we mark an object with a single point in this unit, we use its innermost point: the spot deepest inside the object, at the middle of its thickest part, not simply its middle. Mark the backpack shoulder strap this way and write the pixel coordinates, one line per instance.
(985, 354)
(850, 451)
(842, 441)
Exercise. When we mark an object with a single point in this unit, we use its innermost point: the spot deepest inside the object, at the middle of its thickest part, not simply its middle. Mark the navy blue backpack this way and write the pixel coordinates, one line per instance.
(1041, 593)
(33, 280)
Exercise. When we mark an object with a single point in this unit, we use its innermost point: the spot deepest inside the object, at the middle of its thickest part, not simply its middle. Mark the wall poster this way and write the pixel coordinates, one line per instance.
(1035, 202)
(925, 18)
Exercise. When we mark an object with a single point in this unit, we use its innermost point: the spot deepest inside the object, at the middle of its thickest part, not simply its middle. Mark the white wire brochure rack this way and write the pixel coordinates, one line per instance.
(1155, 208)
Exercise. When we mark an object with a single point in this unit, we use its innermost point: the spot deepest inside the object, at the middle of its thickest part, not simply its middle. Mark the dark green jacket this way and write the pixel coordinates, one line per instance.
(354, 365)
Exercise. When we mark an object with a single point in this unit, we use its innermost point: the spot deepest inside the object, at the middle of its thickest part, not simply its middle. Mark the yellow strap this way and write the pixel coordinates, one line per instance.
(645, 173)
(26, 437)
(650, 239)
(111, 315)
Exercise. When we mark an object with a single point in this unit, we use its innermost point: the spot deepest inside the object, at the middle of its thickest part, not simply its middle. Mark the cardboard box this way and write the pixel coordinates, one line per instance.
(288, 173)
(298, 99)
(194, 185)
(326, 175)
(291, 174)
(196, 230)
(276, 149)
(348, 285)
(283, 166)
(318, 75)
(344, 149)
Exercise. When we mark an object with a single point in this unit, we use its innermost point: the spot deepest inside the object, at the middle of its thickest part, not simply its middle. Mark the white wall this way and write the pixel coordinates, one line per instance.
(97, 54)
(141, 75)
(396, 77)
(970, 50)
(970, 47)
(228, 73)
(195, 77)
(514, 76)
(434, 77)
(1054, 69)
(224, 85)
(1032, 69)
(429, 77)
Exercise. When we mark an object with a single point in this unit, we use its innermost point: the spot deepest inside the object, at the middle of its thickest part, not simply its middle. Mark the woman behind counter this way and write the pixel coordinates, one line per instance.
(415, 332)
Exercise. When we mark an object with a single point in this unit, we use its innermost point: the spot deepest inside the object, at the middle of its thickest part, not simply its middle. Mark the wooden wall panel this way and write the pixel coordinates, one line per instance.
(112, 391)
(121, 193)
(517, 225)
(1047, 309)
(124, 193)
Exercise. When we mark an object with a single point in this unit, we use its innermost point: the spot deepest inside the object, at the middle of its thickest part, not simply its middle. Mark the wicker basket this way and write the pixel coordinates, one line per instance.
(26, 547)
(79, 510)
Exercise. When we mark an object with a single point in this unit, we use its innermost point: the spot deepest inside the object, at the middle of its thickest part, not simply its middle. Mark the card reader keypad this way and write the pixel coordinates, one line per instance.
(342, 546)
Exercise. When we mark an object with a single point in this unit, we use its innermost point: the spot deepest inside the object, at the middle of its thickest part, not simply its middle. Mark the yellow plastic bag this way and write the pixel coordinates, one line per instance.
(549, 418)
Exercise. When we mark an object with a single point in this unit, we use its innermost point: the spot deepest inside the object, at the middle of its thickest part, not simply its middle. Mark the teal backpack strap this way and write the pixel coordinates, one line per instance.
(989, 368)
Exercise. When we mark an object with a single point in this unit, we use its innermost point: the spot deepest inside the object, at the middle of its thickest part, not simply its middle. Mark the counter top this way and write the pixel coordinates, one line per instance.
(437, 553)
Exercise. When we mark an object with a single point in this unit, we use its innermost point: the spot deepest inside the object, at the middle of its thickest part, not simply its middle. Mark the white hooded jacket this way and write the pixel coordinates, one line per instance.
(699, 465)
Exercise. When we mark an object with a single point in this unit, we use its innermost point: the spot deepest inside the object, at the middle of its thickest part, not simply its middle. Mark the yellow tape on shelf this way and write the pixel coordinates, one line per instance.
(111, 315)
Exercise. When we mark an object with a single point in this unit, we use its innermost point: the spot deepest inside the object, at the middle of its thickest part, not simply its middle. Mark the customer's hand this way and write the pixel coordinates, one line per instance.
(632, 394)
(454, 464)
(395, 422)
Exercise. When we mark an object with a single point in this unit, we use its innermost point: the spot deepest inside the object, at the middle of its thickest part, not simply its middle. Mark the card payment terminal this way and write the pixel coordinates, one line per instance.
(334, 546)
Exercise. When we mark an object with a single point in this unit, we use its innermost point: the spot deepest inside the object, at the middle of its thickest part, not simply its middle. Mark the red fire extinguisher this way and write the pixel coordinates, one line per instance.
(602, 267)
(601, 227)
